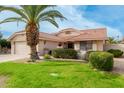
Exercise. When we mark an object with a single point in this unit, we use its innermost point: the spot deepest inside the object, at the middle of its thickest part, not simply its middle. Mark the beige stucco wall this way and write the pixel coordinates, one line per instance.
(12, 48)
(21, 37)
(114, 46)
(98, 45)
(94, 46)
(49, 45)
(18, 43)
(77, 46)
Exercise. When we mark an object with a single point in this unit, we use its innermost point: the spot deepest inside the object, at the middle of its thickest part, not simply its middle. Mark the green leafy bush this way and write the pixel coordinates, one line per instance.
(87, 55)
(47, 56)
(116, 52)
(64, 53)
(101, 60)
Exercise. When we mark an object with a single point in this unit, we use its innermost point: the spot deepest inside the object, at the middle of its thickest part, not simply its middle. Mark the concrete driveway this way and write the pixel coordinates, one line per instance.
(9, 57)
(118, 65)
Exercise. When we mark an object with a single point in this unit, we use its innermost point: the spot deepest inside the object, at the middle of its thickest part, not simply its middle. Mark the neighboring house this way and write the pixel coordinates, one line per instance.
(80, 40)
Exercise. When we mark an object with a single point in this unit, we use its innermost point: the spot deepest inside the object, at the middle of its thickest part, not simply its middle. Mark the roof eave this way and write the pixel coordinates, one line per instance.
(13, 35)
(85, 39)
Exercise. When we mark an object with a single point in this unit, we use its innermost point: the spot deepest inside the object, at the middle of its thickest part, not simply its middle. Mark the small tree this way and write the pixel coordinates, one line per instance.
(5, 43)
(4, 46)
(0, 40)
(111, 40)
(1, 35)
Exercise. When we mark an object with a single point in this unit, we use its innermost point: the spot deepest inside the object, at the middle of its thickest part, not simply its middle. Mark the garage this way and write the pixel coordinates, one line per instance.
(21, 48)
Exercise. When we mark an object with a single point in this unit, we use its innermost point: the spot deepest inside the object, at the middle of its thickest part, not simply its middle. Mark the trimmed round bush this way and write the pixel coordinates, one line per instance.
(64, 53)
(47, 56)
(101, 60)
(116, 52)
(88, 54)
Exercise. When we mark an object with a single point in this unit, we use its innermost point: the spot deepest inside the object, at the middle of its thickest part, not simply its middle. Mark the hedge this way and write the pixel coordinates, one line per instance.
(101, 60)
(64, 53)
(88, 54)
(116, 52)
(47, 56)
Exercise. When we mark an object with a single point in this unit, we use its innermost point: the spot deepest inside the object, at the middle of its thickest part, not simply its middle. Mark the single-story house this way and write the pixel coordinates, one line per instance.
(80, 40)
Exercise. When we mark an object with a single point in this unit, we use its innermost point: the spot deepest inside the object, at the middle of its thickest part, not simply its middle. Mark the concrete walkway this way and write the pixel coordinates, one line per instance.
(9, 57)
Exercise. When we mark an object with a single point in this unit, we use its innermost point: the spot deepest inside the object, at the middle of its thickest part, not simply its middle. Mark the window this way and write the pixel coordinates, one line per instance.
(71, 45)
(89, 45)
(60, 44)
(85, 45)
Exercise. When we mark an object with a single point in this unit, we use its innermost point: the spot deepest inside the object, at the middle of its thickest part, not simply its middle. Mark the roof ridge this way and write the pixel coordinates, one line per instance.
(83, 33)
(48, 33)
(93, 29)
(60, 31)
(74, 36)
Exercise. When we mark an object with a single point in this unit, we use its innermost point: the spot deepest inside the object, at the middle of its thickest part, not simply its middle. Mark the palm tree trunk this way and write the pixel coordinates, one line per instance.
(32, 35)
(34, 54)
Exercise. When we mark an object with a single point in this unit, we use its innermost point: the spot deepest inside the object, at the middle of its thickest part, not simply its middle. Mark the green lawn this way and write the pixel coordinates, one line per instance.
(57, 74)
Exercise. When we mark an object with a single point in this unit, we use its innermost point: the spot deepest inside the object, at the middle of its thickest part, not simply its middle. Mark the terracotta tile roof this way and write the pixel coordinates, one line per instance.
(79, 35)
(46, 36)
(90, 34)
(42, 35)
(65, 37)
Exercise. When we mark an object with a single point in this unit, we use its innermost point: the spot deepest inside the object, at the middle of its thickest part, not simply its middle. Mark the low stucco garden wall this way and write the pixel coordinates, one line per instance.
(114, 46)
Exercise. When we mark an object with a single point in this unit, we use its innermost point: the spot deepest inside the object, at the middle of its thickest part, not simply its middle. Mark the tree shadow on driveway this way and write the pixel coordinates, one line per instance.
(118, 65)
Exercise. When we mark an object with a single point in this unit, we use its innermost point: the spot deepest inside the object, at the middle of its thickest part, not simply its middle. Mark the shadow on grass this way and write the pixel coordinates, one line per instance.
(64, 60)
(59, 64)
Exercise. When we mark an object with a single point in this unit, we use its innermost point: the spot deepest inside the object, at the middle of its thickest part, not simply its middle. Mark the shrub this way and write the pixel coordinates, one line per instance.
(87, 55)
(47, 56)
(101, 60)
(116, 52)
(64, 53)
(31, 60)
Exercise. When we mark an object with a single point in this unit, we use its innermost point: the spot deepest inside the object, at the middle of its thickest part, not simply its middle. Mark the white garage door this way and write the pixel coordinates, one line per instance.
(21, 48)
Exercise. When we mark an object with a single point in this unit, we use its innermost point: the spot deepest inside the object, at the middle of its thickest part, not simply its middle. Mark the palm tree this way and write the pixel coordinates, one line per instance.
(32, 15)
(111, 40)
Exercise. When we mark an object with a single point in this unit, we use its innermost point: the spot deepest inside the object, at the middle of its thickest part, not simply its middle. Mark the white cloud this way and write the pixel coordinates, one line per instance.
(77, 20)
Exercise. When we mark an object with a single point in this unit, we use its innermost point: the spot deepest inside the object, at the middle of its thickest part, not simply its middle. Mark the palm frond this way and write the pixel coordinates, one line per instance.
(52, 14)
(52, 21)
(33, 14)
(16, 10)
(12, 19)
(32, 11)
(26, 9)
(42, 8)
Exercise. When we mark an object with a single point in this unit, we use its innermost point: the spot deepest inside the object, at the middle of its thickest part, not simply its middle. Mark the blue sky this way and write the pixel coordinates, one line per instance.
(80, 17)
